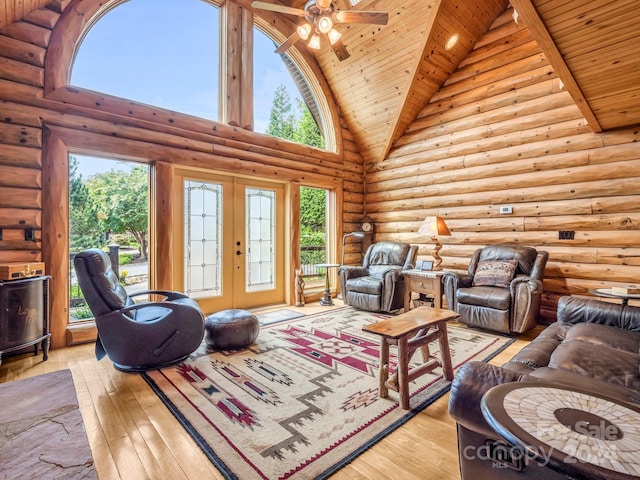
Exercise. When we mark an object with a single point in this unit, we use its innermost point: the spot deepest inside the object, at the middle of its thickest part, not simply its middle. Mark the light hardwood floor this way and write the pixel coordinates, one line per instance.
(134, 436)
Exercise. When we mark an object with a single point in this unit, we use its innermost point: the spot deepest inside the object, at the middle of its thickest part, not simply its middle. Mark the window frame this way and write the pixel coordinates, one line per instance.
(87, 122)
(75, 23)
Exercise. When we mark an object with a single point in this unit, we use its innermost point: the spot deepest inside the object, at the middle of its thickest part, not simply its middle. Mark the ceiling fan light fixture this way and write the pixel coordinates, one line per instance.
(304, 31)
(325, 24)
(453, 39)
(314, 42)
(321, 16)
(334, 36)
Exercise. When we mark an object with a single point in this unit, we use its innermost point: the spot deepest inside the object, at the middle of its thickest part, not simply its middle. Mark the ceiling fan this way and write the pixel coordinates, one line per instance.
(321, 16)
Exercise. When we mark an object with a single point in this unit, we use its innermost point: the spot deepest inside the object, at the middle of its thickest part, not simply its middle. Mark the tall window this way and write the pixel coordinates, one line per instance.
(159, 52)
(314, 247)
(108, 209)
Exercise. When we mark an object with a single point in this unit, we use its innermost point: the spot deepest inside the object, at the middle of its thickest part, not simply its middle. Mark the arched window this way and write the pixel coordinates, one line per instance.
(282, 94)
(166, 54)
(159, 52)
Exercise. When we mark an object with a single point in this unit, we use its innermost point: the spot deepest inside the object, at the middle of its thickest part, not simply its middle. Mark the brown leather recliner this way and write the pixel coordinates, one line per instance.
(378, 285)
(502, 289)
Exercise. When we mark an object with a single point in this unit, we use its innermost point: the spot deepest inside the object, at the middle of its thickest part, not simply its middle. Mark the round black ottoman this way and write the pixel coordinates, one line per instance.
(231, 329)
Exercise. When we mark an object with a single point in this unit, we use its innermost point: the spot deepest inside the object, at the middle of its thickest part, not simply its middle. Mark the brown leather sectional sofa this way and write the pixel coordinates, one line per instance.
(593, 346)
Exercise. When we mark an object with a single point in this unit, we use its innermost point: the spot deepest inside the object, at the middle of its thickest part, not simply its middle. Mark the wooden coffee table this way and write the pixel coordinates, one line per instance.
(410, 331)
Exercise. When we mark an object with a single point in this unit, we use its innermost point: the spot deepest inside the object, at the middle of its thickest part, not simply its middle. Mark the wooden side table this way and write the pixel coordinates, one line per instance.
(411, 331)
(422, 281)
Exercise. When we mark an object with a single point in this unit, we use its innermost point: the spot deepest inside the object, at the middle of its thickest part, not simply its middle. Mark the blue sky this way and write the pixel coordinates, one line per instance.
(165, 53)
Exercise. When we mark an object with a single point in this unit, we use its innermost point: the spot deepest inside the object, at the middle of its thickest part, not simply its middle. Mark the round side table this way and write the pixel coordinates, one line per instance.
(579, 433)
(326, 298)
(608, 293)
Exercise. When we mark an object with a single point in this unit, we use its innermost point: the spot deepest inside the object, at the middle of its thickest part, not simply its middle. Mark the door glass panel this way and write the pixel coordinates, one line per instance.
(203, 238)
(260, 237)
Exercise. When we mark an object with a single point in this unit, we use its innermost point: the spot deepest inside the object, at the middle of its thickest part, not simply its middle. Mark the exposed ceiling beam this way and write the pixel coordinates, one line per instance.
(528, 14)
(398, 127)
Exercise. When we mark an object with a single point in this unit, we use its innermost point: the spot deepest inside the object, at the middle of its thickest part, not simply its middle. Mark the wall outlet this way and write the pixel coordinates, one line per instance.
(506, 210)
(30, 234)
(566, 234)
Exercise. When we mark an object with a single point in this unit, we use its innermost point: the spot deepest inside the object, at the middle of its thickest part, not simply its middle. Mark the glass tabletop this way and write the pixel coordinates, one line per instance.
(327, 265)
(609, 293)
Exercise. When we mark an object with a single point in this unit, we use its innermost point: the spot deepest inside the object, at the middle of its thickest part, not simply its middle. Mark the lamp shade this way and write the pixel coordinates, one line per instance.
(314, 42)
(434, 226)
(304, 31)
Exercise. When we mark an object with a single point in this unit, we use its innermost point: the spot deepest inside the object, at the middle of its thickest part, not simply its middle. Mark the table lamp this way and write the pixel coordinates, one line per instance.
(434, 226)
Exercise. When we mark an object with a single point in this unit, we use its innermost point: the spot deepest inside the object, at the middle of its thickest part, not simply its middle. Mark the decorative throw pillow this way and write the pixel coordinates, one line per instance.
(494, 273)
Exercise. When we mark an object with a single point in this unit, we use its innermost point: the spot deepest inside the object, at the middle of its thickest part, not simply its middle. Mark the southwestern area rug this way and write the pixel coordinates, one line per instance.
(302, 401)
(278, 316)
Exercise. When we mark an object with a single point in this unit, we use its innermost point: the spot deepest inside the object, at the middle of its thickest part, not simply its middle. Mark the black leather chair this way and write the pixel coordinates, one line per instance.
(137, 336)
(378, 285)
(502, 289)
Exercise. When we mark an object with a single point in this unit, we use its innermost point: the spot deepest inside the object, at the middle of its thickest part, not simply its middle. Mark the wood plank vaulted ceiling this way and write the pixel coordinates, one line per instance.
(394, 70)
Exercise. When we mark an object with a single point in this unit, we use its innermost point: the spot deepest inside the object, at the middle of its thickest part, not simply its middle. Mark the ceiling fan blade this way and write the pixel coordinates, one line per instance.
(293, 38)
(374, 18)
(340, 50)
(278, 8)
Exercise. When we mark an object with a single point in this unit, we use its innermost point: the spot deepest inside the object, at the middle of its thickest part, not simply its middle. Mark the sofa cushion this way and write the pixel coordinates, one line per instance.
(602, 363)
(598, 335)
(492, 297)
(574, 310)
(494, 273)
(538, 353)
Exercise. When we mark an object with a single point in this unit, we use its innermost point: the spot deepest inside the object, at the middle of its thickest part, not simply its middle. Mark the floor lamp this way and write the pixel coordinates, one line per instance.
(434, 226)
(359, 235)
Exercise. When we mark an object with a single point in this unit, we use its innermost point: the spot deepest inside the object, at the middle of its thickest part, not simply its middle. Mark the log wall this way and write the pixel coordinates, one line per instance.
(38, 129)
(503, 132)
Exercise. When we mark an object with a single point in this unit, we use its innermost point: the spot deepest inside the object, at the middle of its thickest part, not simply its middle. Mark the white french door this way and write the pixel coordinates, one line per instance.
(233, 244)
